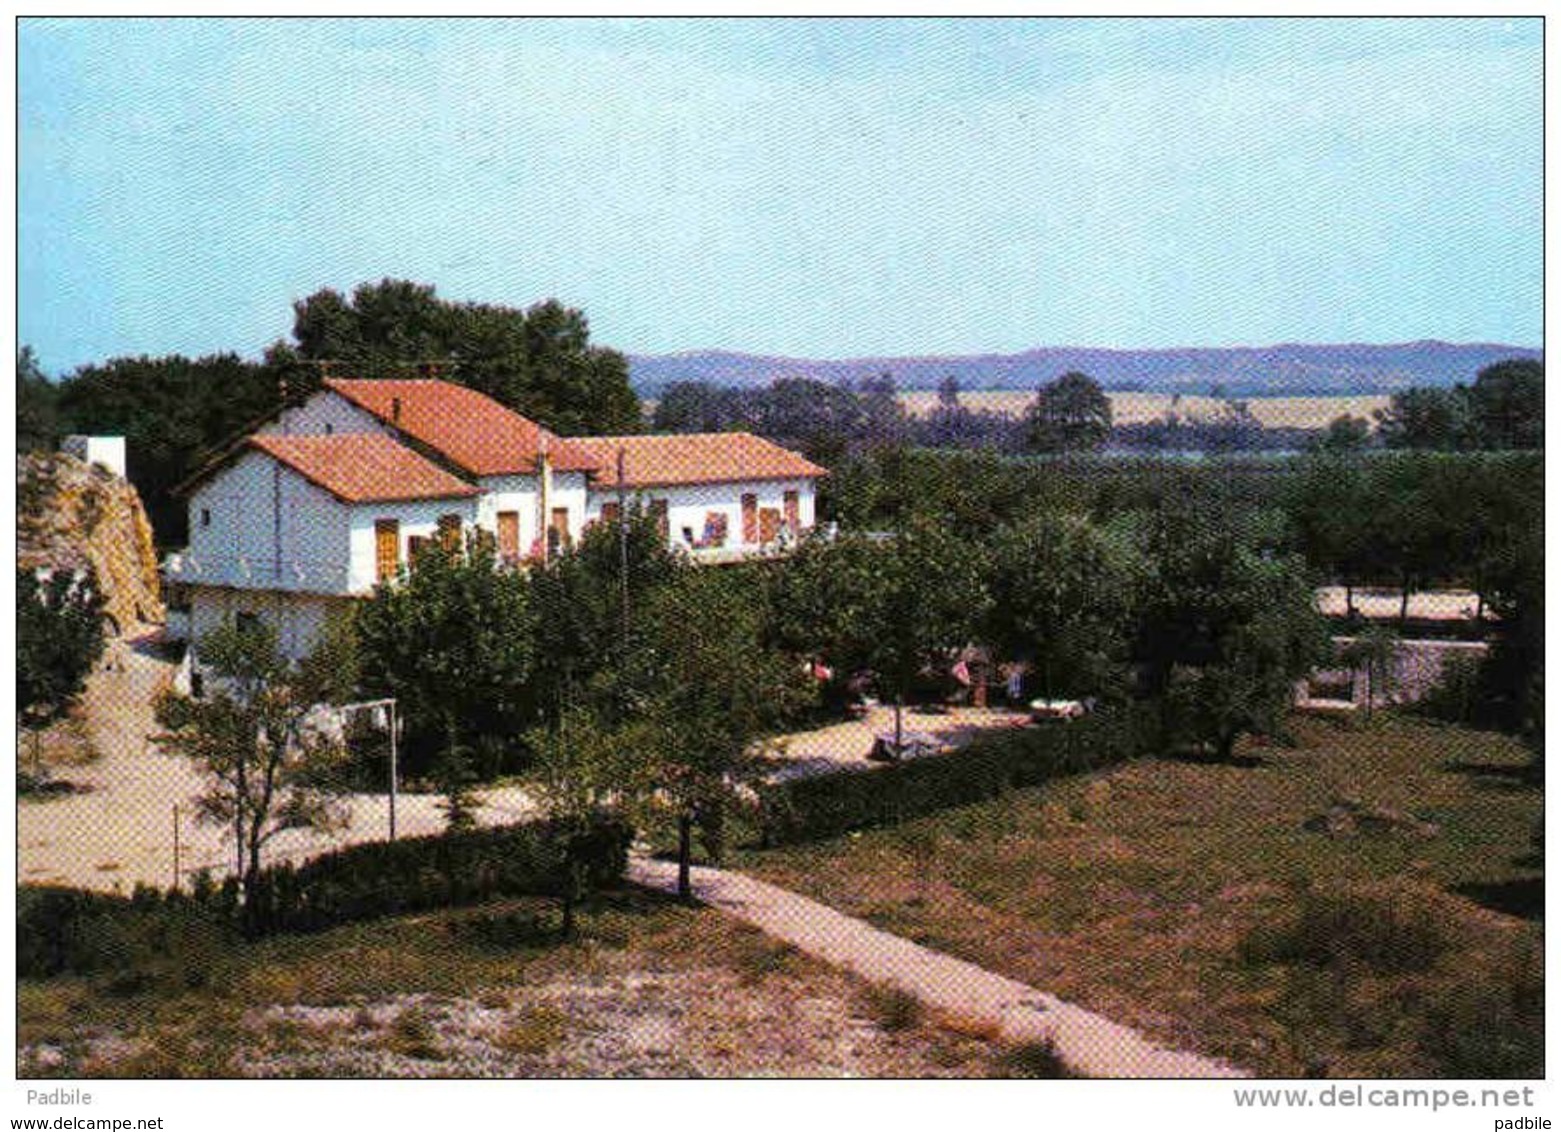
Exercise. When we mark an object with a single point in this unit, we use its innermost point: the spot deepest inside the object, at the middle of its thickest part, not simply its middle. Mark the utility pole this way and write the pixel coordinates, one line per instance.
(176, 847)
(389, 704)
(623, 546)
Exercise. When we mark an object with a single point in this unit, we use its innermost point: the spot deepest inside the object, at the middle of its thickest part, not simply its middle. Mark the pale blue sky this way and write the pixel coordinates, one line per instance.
(809, 187)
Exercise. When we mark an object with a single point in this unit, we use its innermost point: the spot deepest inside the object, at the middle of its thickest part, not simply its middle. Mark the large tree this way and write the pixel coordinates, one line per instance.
(451, 637)
(59, 637)
(1422, 417)
(539, 361)
(1228, 627)
(268, 768)
(1064, 598)
(39, 424)
(1508, 404)
(1070, 414)
(897, 606)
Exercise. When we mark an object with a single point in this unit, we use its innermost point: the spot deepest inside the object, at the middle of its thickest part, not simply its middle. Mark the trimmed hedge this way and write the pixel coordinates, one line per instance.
(152, 937)
(822, 806)
(389, 878)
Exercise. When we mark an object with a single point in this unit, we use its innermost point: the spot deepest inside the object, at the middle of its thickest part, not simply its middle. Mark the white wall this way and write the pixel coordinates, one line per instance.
(299, 619)
(258, 524)
(324, 412)
(688, 505)
(106, 450)
(417, 517)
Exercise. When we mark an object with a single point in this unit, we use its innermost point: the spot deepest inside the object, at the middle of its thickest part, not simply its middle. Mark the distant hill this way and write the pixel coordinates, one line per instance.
(1290, 369)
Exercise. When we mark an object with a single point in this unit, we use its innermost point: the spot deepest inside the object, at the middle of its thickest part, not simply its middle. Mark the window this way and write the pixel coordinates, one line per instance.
(658, 511)
(715, 529)
(750, 518)
(205, 516)
(610, 512)
(415, 545)
(329, 428)
(509, 534)
(793, 512)
(246, 622)
(450, 532)
(387, 548)
(558, 530)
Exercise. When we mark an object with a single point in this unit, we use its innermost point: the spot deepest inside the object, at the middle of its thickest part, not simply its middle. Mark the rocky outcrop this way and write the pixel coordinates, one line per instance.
(71, 514)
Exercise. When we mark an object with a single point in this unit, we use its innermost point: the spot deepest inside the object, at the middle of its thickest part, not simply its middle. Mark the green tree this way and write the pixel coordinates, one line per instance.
(268, 768)
(1070, 414)
(1064, 593)
(714, 691)
(59, 637)
(1508, 404)
(539, 362)
(1344, 435)
(1228, 628)
(696, 406)
(451, 638)
(896, 606)
(1426, 418)
(39, 424)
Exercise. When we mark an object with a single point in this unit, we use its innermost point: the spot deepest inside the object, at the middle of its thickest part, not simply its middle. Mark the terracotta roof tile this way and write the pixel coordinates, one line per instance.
(468, 428)
(362, 467)
(694, 458)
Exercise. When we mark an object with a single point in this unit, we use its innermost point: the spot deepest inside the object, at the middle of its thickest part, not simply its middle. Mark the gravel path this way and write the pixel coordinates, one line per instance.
(1087, 1043)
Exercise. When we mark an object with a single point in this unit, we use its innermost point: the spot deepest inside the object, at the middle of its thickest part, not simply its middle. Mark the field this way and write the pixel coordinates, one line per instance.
(1137, 408)
(648, 988)
(1366, 903)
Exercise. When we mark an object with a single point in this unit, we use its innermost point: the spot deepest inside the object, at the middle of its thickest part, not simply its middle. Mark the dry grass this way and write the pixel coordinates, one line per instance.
(1138, 408)
(1140, 899)
(647, 987)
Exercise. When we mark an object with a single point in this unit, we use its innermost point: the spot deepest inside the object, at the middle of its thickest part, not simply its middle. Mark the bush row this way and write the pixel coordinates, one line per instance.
(69, 931)
(388, 878)
(809, 809)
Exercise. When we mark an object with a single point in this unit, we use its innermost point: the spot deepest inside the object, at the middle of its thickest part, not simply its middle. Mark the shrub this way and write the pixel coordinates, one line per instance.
(1391, 929)
(141, 943)
(417, 873)
(891, 1008)
(1457, 696)
(812, 808)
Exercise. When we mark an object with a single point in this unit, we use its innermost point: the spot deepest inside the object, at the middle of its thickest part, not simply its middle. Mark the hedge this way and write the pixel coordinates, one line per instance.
(822, 806)
(388, 878)
(70, 931)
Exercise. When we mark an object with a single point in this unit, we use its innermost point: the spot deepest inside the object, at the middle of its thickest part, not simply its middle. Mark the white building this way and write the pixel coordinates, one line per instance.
(334, 495)
(106, 450)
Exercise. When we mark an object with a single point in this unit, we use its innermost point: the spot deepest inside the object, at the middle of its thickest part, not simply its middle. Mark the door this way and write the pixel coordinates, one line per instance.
(387, 548)
(750, 517)
(450, 532)
(560, 524)
(793, 513)
(769, 525)
(509, 535)
(610, 513)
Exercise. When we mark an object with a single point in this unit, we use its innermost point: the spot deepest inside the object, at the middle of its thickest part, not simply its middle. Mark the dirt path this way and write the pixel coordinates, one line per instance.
(118, 831)
(1087, 1043)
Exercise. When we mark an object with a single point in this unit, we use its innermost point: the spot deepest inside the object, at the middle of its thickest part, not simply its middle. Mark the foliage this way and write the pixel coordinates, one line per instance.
(539, 362)
(1344, 435)
(1228, 628)
(389, 878)
(59, 637)
(172, 412)
(816, 807)
(1070, 414)
(1064, 593)
(134, 944)
(451, 638)
(1507, 403)
(267, 767)
(39, 426)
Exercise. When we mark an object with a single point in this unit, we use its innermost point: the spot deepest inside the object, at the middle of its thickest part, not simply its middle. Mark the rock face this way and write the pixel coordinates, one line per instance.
(71, 514)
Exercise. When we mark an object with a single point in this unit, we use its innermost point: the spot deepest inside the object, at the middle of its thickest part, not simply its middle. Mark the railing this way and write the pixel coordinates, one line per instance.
(304, 575)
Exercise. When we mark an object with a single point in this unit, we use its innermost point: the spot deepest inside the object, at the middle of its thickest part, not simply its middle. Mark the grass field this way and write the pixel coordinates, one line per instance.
(648, 988)
(1193, 900)
(1137, 408)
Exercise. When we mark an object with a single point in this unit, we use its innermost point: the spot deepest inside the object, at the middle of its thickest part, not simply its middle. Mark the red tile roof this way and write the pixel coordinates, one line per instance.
(469, 429)
(362, 467)
(694, 458)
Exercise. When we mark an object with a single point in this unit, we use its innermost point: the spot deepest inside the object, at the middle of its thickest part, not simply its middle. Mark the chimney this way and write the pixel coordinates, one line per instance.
(395, 410)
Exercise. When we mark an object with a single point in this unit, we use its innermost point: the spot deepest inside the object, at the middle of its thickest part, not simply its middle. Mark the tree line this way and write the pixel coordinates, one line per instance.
(175, 410)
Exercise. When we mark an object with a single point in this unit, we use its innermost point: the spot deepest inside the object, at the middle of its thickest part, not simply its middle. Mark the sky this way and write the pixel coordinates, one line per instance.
(808, 187)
